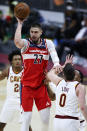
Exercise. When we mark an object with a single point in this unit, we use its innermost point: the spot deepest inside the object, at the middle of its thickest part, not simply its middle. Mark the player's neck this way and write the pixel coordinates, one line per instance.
(17, 70)
(38, 42)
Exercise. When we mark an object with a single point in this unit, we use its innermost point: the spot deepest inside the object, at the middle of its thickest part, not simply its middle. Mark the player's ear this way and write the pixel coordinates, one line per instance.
(41, 32)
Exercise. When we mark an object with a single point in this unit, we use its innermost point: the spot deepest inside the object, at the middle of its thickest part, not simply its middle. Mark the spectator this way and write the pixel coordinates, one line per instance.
(2, 26)
(78, 44)
(72, 21)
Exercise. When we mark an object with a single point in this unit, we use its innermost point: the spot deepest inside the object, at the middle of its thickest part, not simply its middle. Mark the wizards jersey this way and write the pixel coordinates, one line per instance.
(35, 59)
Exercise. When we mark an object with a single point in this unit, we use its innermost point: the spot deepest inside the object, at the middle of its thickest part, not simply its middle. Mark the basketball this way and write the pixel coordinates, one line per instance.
(22, 10)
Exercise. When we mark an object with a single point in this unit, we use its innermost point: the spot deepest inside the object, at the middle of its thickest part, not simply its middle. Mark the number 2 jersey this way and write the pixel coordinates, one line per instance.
(66, 99)
(13, 84)
(35, 60)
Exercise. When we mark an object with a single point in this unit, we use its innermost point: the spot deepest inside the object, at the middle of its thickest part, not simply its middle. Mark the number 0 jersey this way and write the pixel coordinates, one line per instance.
(66, 99)
(35, 60)
(13, 84)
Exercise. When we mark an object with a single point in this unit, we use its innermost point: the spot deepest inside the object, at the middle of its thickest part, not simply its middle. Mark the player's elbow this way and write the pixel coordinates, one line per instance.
(17, 41)
(48, 77)
(82, 107)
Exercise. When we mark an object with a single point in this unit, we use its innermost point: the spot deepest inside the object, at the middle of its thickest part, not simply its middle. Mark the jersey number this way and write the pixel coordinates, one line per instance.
(62, 100)
(36, 61)
(16, 88)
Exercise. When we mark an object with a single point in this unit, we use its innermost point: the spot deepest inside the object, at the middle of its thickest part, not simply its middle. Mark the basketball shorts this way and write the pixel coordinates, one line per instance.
(10, 111)
(37, 95)
(65, 124)
(82, 125)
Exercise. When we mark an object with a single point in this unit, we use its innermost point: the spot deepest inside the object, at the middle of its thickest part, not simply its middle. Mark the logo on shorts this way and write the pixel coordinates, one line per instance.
(47, 104)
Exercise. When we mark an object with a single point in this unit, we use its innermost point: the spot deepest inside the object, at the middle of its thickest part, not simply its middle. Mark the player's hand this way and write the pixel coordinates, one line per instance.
(69, 59)
(58, 69)
(19, 21)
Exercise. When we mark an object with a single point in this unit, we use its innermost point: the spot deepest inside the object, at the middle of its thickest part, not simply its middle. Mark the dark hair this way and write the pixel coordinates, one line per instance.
(69, 72)
(13, 53)
(81, 76)
(36, 25)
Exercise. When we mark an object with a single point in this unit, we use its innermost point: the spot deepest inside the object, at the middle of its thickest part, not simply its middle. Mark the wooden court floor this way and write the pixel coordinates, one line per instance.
(35, 123)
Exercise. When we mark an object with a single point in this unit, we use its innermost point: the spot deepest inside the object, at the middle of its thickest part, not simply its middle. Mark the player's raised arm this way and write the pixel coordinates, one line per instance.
(53, 54)
(21, 12)
(52, 76)
(4, 74)
(80, 92)
(52, 51)
(19, 42)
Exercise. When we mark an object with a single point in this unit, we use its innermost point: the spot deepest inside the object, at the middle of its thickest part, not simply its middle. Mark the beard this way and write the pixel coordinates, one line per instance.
(35, 41)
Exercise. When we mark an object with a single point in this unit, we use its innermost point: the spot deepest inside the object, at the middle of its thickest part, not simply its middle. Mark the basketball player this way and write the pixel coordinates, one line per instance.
(79, 78)
(69, 94)
(35, 52)
(51, 87)
(12, 103)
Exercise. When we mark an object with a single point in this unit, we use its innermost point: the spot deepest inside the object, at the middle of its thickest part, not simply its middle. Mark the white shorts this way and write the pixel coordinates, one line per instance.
(11, 111)
(65, 124)
(82, 125)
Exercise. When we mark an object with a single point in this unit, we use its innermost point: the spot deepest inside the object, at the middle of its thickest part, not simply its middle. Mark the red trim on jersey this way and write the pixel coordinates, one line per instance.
(82, 121)
(66, 117)
(59, 82)
(46, 45)
(76, 85)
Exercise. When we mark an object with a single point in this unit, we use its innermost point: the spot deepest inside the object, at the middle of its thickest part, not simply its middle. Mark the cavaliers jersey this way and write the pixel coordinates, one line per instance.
(35, 60)
(13, 84)
(66, 99)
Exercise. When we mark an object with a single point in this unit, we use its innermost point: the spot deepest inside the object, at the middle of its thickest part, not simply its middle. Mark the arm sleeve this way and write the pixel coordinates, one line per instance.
(26, 45)
(52, 51)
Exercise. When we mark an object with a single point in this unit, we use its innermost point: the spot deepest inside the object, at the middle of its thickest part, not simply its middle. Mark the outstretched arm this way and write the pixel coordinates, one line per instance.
(4, 74)
(19, 42)
(52, 76)
(53, 54)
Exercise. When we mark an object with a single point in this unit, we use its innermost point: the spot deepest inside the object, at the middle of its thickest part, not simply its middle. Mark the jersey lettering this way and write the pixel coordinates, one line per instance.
(62, 100)
(36, 59)
(16, 88)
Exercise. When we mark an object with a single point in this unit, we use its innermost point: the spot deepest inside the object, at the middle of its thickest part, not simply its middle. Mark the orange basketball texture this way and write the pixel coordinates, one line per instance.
(22, 10)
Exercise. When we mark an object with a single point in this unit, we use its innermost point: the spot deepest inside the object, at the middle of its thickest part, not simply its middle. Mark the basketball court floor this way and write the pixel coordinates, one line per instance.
(35, 123)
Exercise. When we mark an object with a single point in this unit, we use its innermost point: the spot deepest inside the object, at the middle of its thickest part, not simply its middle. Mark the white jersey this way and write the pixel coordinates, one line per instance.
(66, 99)
(13, 84)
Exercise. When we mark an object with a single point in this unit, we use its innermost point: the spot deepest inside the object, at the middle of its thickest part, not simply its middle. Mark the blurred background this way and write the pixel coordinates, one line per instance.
(63, 21)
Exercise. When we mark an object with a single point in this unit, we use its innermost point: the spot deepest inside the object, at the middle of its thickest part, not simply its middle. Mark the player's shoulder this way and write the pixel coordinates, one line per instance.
(48, 40)
(26, 45)
(61, 81)
(26, 41)
(80, 87)
(49, 43)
